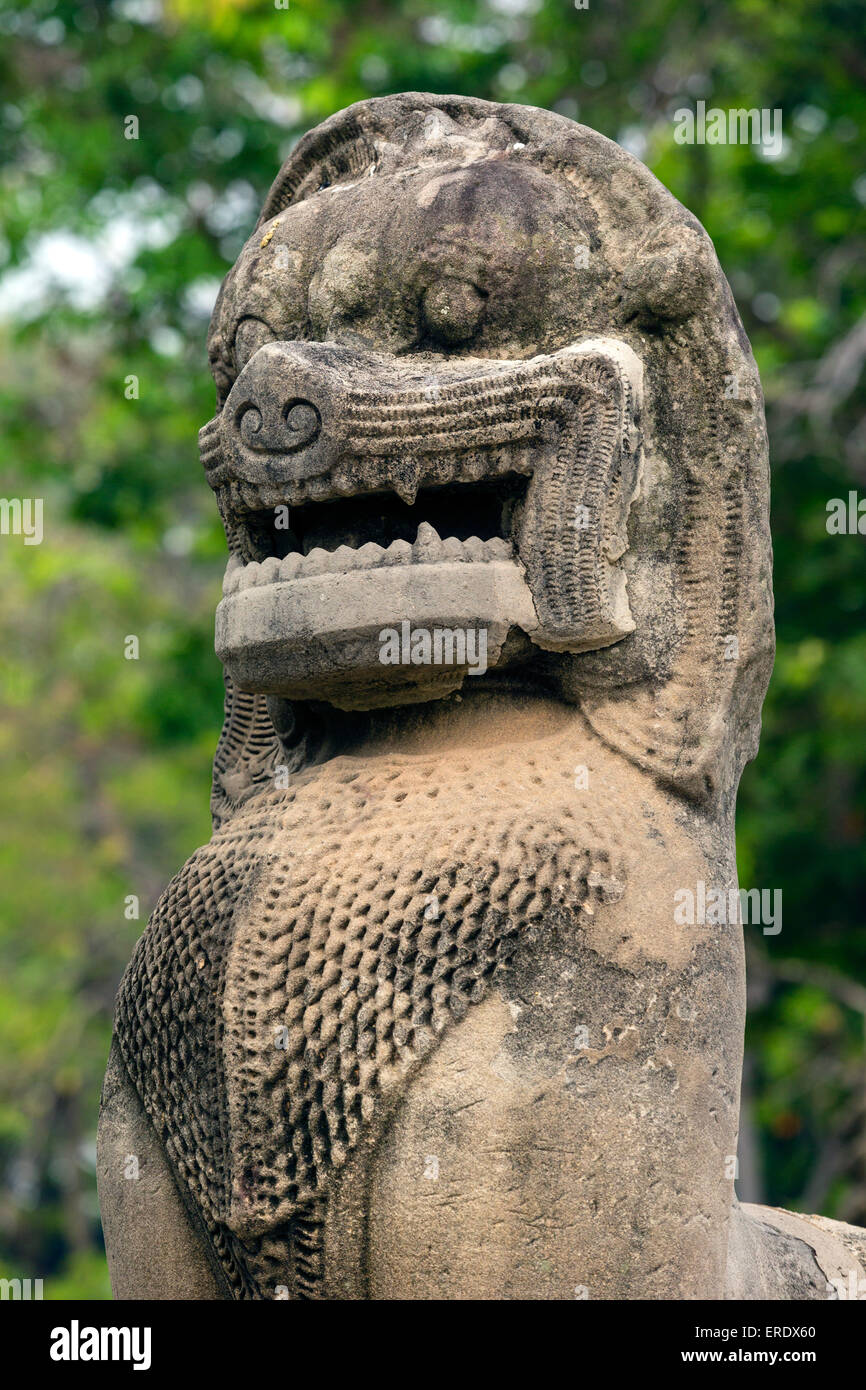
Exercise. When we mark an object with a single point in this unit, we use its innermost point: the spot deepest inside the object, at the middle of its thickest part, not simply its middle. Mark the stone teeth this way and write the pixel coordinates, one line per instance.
(473, 468)
(428, 545)
(446, 470)
(343, 558)
(369, 556)
(232, 576)
(314, 563)
(398, 553)
(474, 548)
(249, 576)
(342, 483)
(406, 483)
(318, 487)
(428, 548)
(365, 474)
(498, 549)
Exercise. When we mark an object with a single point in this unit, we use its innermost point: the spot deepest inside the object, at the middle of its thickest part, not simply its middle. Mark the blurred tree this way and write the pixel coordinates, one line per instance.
(137, 139)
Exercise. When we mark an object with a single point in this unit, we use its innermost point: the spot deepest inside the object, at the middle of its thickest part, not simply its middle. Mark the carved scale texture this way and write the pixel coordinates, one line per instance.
(302, 965)
(247, 753)
(677, 731)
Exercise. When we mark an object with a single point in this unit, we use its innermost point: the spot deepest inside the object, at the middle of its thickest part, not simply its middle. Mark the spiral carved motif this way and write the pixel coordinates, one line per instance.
(298, 424)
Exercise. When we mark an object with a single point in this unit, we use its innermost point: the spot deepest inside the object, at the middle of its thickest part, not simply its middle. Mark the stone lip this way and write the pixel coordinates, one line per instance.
(320, 637)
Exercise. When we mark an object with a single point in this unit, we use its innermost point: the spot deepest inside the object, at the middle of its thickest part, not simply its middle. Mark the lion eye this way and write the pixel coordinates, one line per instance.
(453, 310)
(250, 336)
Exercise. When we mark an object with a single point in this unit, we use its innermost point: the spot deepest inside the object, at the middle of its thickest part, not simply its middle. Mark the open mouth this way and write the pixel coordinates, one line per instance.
(312, 591)
(458, 523)
(362, 495)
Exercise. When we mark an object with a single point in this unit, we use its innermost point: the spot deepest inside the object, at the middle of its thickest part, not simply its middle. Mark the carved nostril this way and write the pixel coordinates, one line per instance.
(297, 425)
(303, 422)
(249, 422)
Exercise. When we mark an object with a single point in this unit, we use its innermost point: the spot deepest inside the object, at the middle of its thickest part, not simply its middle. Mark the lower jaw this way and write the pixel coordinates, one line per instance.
(357, 639)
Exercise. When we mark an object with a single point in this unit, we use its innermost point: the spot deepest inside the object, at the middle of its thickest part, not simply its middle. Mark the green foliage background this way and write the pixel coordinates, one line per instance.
(111, 252)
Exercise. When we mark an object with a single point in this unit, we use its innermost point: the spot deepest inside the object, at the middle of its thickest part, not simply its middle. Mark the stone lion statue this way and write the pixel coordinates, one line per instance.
(419, 1021)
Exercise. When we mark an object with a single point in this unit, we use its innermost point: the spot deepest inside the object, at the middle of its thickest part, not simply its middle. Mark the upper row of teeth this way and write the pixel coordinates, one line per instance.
(428, 547)
(370, 473)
